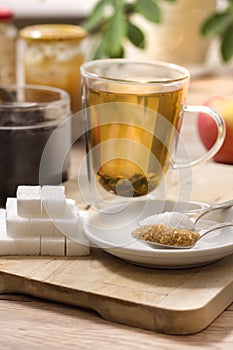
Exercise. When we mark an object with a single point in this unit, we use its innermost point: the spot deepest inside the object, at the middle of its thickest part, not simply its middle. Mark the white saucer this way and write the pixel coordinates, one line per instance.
(111, 230)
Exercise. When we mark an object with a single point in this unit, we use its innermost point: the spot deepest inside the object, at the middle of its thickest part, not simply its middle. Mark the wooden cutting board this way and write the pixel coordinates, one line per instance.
(168, 301)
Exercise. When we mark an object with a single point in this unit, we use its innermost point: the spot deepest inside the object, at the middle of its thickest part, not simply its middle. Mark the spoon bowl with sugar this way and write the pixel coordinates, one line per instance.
(161, 236)
(182, 220)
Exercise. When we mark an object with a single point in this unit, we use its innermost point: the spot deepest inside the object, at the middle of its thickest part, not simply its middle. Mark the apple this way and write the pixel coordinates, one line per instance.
(207, 128)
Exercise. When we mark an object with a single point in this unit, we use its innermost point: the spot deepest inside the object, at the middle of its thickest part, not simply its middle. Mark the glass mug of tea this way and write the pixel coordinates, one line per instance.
(132, 117)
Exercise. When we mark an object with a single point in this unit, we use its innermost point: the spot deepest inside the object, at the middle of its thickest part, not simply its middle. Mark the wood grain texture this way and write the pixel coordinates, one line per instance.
(171, 301)
(29, 323)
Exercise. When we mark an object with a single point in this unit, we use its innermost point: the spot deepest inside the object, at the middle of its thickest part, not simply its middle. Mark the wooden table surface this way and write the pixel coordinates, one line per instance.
(29, 323)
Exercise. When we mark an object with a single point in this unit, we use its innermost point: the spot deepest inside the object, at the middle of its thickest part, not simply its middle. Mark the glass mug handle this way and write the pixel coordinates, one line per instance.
(220, 136)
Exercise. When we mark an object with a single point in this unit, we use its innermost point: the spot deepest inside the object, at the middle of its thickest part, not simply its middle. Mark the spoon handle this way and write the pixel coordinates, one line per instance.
(212, 228)
(223, 205)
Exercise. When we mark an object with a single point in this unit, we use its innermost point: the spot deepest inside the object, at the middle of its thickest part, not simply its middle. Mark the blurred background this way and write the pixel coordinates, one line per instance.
(175, 36)
(29, 12)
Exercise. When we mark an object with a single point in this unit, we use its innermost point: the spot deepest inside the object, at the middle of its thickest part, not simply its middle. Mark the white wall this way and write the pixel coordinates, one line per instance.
(51, 8)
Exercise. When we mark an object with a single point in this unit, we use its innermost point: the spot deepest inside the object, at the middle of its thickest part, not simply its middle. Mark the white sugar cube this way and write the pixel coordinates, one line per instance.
(43, 227)
(20, 226)
(76, 249)
(76, 242)
(38, 219)
(52, 246)
(13, 246)
(29, 201)
(16, 225)
(53, 201)
(68, 223)
(67, 227)
(24, 246)
(44, 245)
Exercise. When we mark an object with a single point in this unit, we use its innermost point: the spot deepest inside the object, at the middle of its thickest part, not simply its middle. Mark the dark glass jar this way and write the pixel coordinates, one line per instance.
(35, 137)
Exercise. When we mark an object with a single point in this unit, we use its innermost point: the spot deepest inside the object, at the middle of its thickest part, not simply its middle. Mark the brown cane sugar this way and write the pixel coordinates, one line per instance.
(165, 235)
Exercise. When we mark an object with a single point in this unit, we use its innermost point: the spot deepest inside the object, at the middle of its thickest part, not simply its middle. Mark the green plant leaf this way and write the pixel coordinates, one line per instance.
(227, 44)
(99, 53)
(149, 9)
(119, 54)
(97, 15)
(114, 34)
(216, 24)
(129, 8)
(135, 35)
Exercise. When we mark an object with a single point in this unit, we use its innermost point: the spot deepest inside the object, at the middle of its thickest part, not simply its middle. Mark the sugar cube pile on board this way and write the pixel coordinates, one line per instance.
(42, 221)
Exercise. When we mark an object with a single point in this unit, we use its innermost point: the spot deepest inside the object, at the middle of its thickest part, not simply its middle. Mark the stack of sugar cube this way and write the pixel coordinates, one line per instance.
(42, 221)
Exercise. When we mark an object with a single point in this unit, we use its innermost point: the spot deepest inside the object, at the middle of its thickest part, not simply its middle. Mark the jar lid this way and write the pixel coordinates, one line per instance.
(48, 32)
(5, 13)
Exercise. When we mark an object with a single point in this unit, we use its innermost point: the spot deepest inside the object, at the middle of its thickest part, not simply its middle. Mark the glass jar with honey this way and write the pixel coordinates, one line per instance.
(52, 55)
